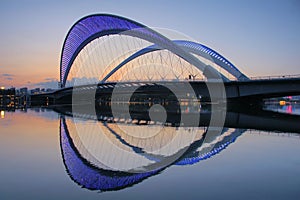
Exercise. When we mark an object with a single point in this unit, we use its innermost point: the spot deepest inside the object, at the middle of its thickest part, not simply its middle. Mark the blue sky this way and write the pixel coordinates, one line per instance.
(260, 37)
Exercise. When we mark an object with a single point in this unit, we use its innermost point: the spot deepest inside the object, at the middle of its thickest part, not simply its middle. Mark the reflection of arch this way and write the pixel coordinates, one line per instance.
(94, 177)
(191, 47)
(89, 176)
(94, 26)
(196, 154)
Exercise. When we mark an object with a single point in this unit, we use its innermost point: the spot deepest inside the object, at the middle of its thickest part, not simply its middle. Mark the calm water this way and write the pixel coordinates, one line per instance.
(45, 155)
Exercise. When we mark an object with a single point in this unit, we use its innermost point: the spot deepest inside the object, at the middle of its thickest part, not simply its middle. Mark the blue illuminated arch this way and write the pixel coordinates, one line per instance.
(94, 26)
(84, 31)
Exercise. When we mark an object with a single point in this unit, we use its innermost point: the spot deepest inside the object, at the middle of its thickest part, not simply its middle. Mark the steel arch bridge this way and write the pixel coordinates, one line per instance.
(95, 26)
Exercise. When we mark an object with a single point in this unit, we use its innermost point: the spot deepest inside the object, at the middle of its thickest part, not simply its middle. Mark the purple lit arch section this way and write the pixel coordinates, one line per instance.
(87, 29)
(94, 26)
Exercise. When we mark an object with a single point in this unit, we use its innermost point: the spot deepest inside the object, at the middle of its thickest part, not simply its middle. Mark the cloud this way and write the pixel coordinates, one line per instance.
(50, 79)
(49, 83)
(7, 75)
(9, 78)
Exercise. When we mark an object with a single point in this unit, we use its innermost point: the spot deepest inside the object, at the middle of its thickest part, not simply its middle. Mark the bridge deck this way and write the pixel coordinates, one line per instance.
(251, 89)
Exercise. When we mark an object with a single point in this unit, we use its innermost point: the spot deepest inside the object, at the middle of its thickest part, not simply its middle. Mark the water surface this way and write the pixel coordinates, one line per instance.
(239, 164)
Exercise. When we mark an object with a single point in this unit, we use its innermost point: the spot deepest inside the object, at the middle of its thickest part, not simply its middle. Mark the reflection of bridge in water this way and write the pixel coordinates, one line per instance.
(99, 174)
(235, 118)
(108, 155)
(151, 60)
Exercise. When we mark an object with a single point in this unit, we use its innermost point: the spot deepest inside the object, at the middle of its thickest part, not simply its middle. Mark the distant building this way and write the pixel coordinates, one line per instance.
(24, 91)
(296, 97)
(49, 90)
(35, 91)
(23, 96)
(286, 98)
(7, 97)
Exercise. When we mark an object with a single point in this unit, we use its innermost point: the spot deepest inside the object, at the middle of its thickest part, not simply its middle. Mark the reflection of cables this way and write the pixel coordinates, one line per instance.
(134, 148)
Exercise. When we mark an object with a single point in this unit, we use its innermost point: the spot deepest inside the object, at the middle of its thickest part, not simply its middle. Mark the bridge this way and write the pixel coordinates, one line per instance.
(110, 61)
(103, 52)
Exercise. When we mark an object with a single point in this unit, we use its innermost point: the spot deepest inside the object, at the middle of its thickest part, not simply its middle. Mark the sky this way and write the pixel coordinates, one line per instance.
(261, 37)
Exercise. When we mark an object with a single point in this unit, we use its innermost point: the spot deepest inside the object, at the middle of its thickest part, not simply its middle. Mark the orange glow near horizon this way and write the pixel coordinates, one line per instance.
(28, 76)
(20, 121)
(2, 114)
(26, 70)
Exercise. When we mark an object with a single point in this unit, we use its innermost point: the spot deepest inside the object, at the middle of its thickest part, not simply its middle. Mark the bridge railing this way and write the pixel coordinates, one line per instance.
(275, 77)
(199, 79)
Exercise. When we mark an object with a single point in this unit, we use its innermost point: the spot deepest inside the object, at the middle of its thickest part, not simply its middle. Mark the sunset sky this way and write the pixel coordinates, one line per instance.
(260, 37)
